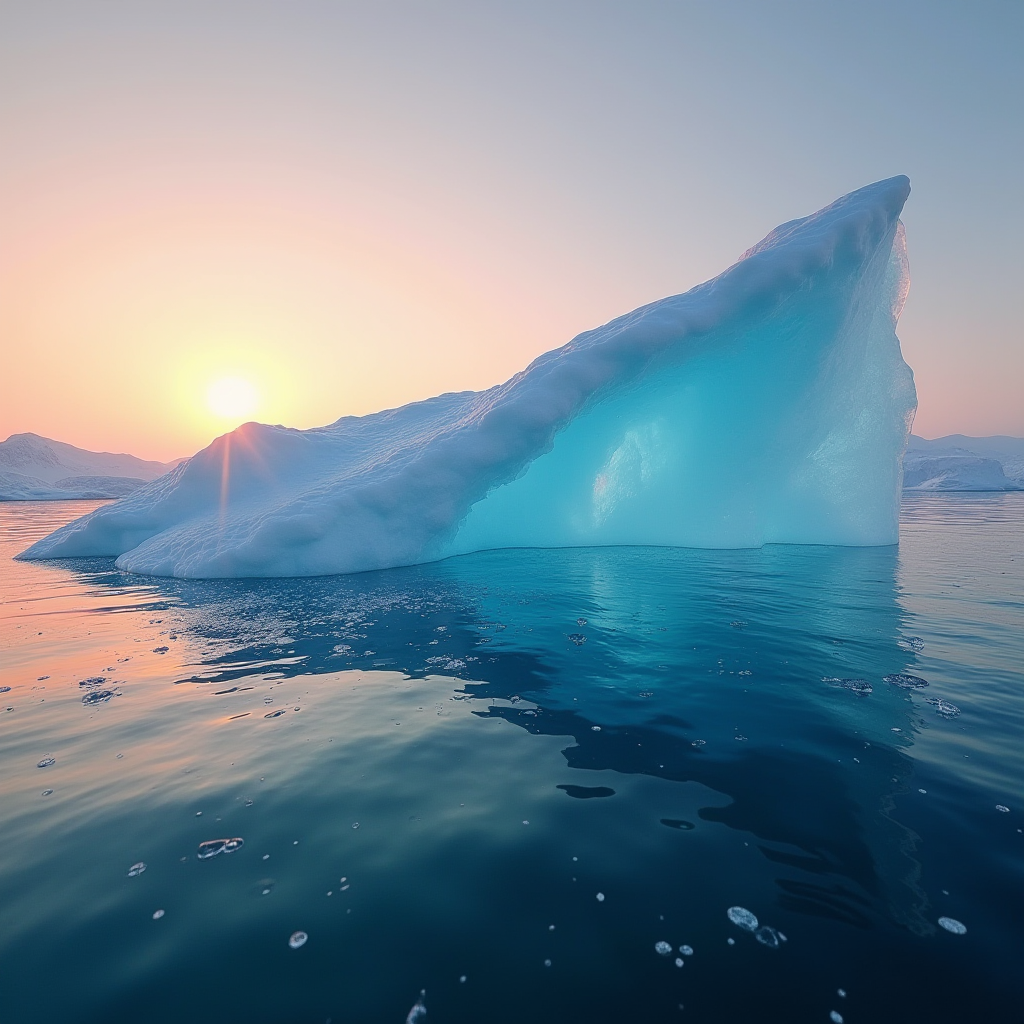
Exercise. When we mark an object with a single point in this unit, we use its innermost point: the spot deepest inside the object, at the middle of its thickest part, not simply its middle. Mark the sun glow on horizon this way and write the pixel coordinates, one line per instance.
(233, 398)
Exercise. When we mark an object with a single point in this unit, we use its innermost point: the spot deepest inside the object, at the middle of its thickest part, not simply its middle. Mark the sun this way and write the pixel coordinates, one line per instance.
(233, 398)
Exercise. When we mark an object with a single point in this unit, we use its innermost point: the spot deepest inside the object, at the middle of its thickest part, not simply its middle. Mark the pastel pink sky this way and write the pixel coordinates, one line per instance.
(355, 208)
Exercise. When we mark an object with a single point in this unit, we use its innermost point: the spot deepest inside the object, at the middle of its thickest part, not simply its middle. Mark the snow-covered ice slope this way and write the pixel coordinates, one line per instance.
(770, 404)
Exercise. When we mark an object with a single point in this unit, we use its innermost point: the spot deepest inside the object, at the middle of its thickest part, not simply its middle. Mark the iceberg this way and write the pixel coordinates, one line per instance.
(770, 404)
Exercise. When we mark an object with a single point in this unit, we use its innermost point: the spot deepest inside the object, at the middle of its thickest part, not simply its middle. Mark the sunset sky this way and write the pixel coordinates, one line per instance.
(297, 211)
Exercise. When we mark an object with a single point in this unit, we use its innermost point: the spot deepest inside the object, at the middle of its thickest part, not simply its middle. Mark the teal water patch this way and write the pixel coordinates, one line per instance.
(538, 785)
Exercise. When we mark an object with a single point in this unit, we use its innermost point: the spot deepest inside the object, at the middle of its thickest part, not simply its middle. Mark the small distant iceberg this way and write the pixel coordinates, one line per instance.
(34, 468)
(768, 405)
(960, 463)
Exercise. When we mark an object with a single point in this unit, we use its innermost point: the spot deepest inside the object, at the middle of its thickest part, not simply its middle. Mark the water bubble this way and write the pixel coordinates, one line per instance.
(662, 948)
(951, 924)
(157, 914)
(419, 1011)
(136, 869)
(297, 939)
(905, 681)
(1003, 808)
(46, 762)
(600, 897)
(215, 847)
(686, 950)
(742, 918)
(767, 936)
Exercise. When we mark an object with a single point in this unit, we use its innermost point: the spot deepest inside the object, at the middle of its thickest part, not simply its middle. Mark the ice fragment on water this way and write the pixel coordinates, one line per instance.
(679, 962)
(732, 942)
(835, 1017)
(7, 689)
(944, 707)
(595, 728)
(662, 947)
(46, 762)
(97, 696)
(911, 643)
(951, 924)
(859, 686)
(547, 963)
(47, 792)
(136, 869)
(742, 918)
(419, 1010)
(767, 936)
(157, 914)
(93, 681)
(686, 950)
(215, 847)
(905, 681)
(578, 639)
(581, 622)
(1003, 808)
(841, 992)
(297, 939)
(600, 897)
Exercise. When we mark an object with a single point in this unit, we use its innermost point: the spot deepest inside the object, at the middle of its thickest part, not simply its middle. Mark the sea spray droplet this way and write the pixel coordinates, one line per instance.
(662, 948)
(951, 924)
(215, 847)
(742, 918)
(297, 939)
(136, 869)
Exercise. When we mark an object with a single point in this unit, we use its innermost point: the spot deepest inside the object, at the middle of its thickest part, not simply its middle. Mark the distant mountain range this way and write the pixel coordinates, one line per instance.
(34, 468)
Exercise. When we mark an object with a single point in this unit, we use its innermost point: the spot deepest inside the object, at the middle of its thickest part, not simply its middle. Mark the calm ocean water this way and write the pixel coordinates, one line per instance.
(506, 778)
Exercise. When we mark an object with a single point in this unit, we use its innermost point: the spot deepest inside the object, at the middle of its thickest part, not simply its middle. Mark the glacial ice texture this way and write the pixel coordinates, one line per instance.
(768, 405)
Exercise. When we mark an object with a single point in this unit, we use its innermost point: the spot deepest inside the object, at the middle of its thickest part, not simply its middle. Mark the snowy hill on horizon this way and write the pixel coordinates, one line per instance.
(35, 468)
(958, 462)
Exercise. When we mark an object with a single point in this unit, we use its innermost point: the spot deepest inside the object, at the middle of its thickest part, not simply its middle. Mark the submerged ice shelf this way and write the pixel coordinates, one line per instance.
(768, 405)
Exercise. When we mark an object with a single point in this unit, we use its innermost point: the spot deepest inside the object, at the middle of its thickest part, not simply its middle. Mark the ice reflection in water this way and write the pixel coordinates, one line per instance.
(810, 820)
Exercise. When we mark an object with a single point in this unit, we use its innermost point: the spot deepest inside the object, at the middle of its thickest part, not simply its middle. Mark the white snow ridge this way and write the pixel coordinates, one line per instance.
(770, 404)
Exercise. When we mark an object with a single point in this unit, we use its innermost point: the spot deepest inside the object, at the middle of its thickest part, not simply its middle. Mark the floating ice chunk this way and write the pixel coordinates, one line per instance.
(768, 936)
(905, 681)
(215, 847)
(547, 963)
(600, 897)
(951, 924)
(836, 1017)
(47, 792)
(97, 697)
(46, 762)
(742, 918)
(662, 948)
(649, 430)
(731, 941)
(136, 869)
(841, 992)
(686, 950)
(157, 914)
(5, 689)
(1002, 808)
(297, 939)
(944, 707)
(859, 686)
(679, 961)
(911, 643)
(578, 639)
(93, 681)
(419, 1010)
(595, 728)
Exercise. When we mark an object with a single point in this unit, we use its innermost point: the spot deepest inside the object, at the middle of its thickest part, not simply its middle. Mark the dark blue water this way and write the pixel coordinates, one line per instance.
(529, 767)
